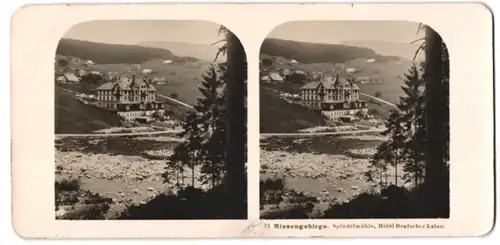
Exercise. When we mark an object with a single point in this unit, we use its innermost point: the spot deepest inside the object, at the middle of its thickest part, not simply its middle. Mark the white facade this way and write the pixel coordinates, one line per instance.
(350, 70)
(131, 115)
(334, 114)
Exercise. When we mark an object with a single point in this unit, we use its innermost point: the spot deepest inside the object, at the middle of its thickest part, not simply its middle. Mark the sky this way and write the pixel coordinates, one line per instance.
(336, 32)
(137, 31)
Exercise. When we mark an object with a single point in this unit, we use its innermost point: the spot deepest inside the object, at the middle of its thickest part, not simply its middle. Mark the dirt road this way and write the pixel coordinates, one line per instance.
(118, 134)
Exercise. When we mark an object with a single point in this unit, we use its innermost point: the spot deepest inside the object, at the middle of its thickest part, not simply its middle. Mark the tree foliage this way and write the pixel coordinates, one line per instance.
(297, 78)
(406, 128)
(316, 52)
(103, 53)
(267, 62)
(204, 131)
(62, 62)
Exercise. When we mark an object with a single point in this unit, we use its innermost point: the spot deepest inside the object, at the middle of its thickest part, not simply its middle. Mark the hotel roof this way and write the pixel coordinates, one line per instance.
(329, 82)
(125, 83)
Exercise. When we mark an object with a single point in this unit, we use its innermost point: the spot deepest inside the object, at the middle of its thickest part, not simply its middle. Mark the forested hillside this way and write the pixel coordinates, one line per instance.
(102, 53)
(317, 52)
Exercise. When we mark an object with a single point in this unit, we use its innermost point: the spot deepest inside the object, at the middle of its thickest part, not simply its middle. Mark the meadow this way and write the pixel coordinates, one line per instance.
(279, 116)
(72, 116)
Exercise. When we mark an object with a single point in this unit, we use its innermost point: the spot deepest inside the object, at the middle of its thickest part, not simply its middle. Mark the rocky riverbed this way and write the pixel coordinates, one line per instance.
(127, 170)
(330, 168)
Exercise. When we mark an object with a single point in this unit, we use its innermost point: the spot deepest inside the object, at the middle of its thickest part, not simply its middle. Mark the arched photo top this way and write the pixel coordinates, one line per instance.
(358, 96)
(167, 86)
(377, 53)
(137, 41)
(387, 38)
(170, 51)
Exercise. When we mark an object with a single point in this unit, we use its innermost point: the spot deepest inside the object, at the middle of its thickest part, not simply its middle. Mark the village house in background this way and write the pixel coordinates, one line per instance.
(273, 77)
(335, 97)
(132, 98)
(68, 77)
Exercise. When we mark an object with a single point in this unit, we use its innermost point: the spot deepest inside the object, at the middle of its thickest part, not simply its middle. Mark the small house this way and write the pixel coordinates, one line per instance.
(167, 62)
(71, 77)
(280, 60)
(95, 73)
(81, 72)
(159, 80)
(286, 72)
(339, 65)
(275, 77)
(75, 60)
(266, 79)
(61, 79)
(300, 72)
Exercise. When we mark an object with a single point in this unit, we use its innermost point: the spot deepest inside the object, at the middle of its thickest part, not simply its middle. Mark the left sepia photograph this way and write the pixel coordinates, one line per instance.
(150, 121)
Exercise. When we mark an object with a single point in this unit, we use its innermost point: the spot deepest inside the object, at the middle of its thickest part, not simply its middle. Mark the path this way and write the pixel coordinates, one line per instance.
(325, 133)
(176, 101)
(380, 100)
(117, 134)
(270, 89)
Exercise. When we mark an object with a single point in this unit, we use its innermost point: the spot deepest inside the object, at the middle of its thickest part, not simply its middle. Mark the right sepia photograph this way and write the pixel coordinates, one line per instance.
(354, 121)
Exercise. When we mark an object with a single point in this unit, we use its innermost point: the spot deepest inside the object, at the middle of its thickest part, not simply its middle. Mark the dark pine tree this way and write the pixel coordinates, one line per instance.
(186, 154)
(437, 120)
(406, 128)
(236, 75)
(211, 109)
(204, 132)
(413, 120)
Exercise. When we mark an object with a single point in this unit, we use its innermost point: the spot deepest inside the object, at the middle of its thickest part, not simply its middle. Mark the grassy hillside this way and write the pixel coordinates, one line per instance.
(74, 117)
(385, 76)
(279, 116)
(112, 53)
(306, 53)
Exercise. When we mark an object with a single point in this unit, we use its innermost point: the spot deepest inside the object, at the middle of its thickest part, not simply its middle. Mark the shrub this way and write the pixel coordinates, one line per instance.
(89, 212)
(392, 202)
(272, 184)
(189, 203)
(68, 185)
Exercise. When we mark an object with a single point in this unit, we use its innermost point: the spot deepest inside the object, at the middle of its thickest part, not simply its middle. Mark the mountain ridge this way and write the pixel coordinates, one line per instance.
(105, 53)
(206, 52)
(306, 52)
